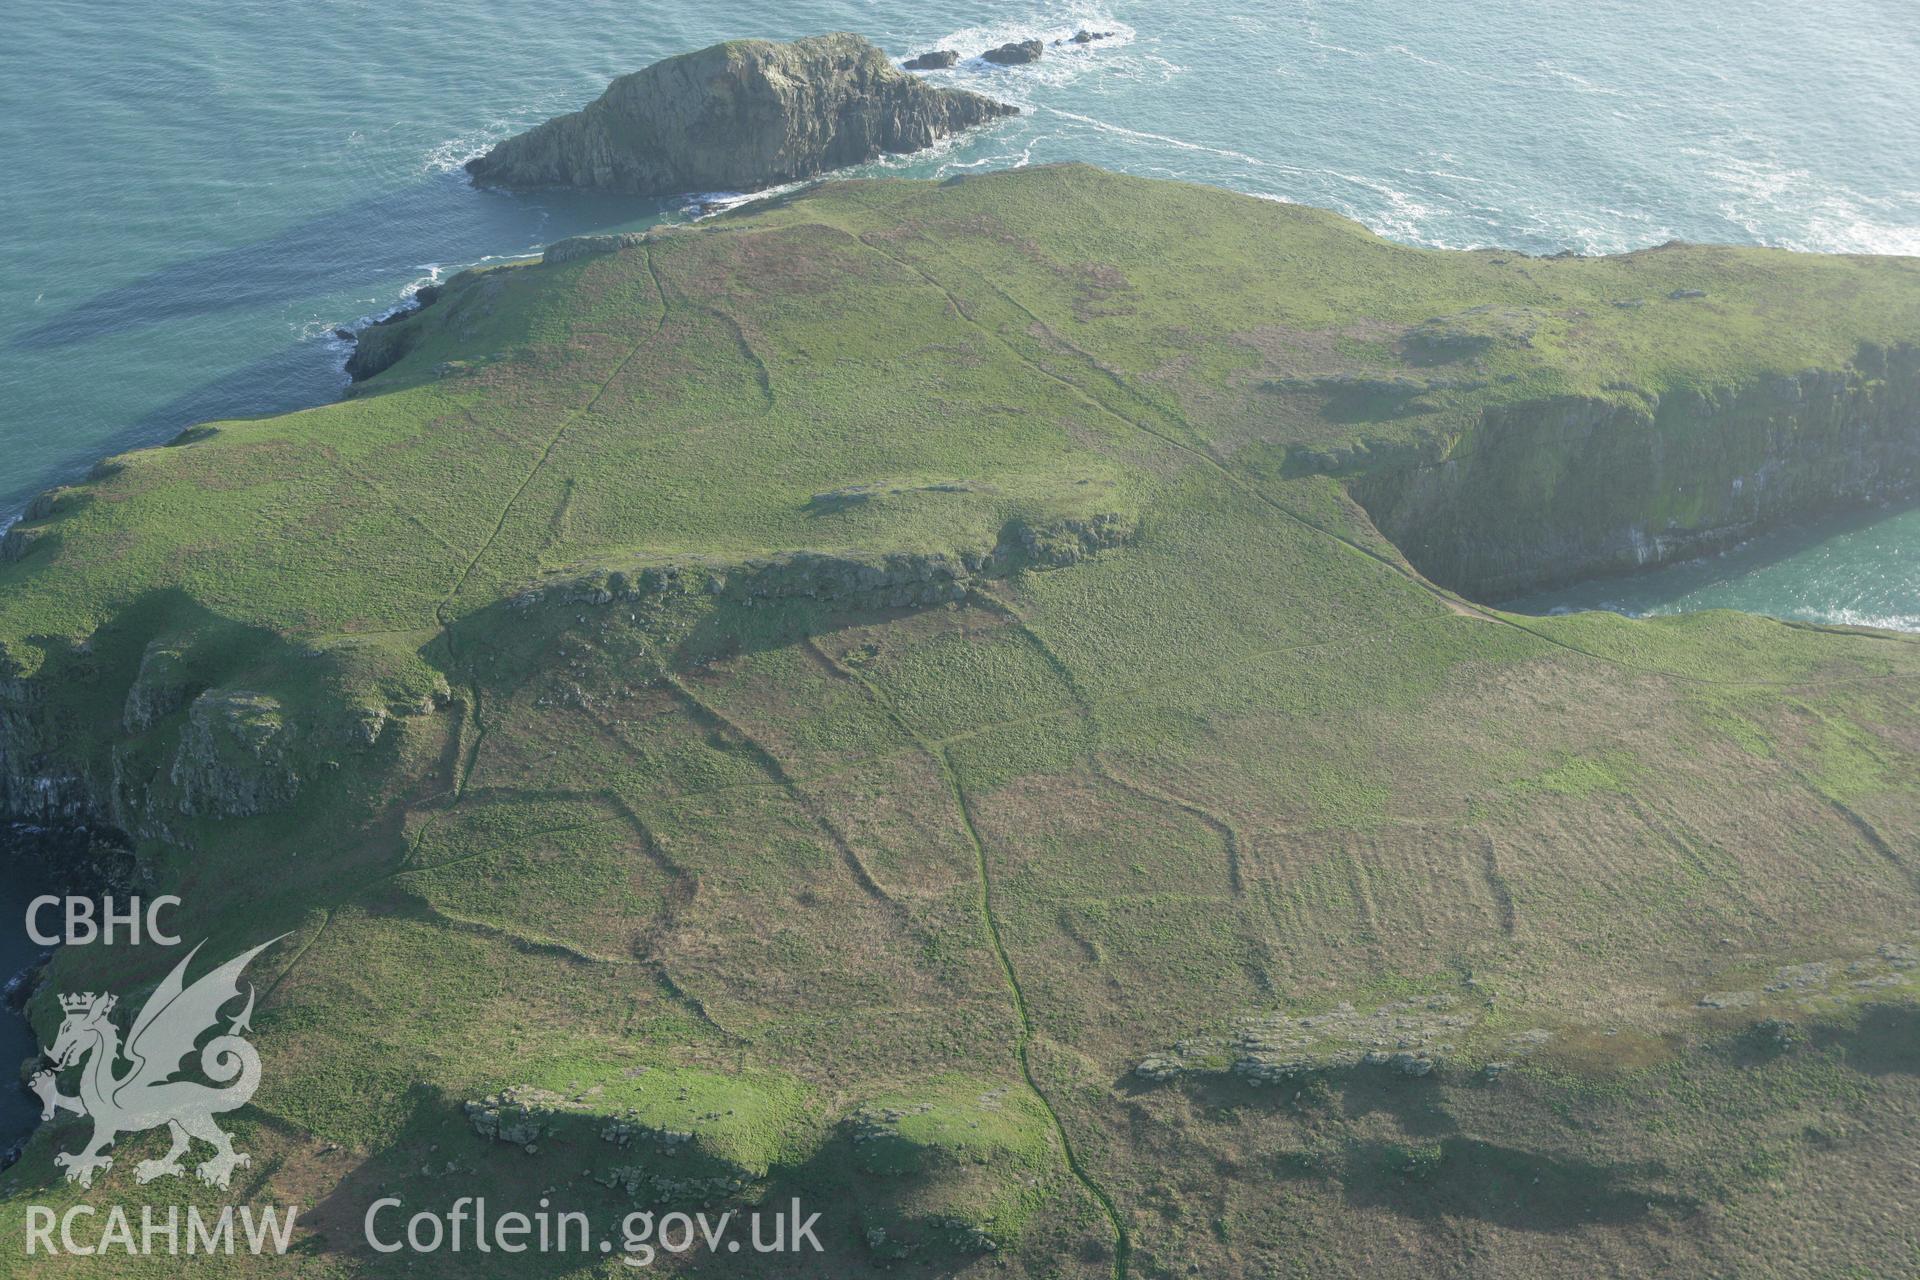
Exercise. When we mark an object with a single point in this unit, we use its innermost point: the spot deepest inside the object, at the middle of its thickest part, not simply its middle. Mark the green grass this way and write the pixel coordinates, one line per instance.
(756, 866)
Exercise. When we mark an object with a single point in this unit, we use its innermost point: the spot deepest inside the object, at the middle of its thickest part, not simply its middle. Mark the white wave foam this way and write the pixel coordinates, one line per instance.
(708, 204)
(452, 155)
(315, 328)
(1141, 135)
(1580, 83)
(1858, 618)
(1063, 60)
(970, 42)
(1403, 217)
(1763, 194)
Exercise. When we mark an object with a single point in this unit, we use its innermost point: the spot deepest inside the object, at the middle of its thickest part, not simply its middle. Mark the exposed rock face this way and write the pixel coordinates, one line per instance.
(17, 542)
(458, 306)
(1016, 53)
(737, 117)
(235, 757)
(896, 580)
(162, 687)
(1552, 491)
(574, 248)
(937, 60)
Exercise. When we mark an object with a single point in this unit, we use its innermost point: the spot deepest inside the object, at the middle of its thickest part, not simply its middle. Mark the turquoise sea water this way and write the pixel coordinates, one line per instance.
(197, 192)
(1859, 569)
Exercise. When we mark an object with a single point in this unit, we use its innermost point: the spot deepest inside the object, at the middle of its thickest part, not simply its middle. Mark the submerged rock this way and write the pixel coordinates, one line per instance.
(1015, 53)
(739, 116)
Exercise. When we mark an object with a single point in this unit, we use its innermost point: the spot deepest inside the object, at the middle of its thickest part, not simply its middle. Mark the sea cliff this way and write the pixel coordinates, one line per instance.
(1541, 493)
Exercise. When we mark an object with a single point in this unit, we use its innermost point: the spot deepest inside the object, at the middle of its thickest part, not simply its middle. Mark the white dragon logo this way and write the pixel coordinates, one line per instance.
(146, 1095)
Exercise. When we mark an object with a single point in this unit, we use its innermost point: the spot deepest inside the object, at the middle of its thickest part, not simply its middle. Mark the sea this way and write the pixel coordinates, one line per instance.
(197, 194)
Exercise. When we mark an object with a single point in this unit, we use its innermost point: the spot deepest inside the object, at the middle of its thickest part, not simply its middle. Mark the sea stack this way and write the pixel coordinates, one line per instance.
(739, 116)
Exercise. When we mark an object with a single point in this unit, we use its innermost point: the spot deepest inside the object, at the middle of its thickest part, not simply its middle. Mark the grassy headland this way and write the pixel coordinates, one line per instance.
(906, 685)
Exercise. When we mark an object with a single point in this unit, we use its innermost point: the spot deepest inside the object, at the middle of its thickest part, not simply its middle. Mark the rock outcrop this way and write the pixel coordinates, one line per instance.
(234, 758)
(739, 116)
(1016, 53)
(937, 60)
(1546, 492)
(892, 580)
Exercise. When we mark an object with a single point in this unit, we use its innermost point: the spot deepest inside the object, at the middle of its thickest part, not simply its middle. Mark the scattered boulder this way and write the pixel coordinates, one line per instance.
(1687, 293)
(1159, 1068)
(1775, 1035)
(1727, 999)
(1814, 974)
(1015, 53)
(518, 1114)
(936, 60)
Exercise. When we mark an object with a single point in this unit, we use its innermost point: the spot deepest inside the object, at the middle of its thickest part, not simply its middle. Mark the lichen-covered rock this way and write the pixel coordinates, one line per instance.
(892, 580)
(455, 308)
(518, 1115)
(739, 116)
(18, 541)
(1059, 543)
(161, 688)
(50, 502)
(576, 247)
(235, 757)
(380, 346)
(1776, 1035)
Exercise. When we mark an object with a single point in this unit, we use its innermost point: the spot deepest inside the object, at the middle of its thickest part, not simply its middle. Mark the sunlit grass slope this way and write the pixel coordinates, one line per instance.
(876, 688)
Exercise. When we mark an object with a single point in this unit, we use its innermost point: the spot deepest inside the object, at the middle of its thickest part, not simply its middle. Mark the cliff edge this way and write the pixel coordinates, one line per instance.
(739, 116)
